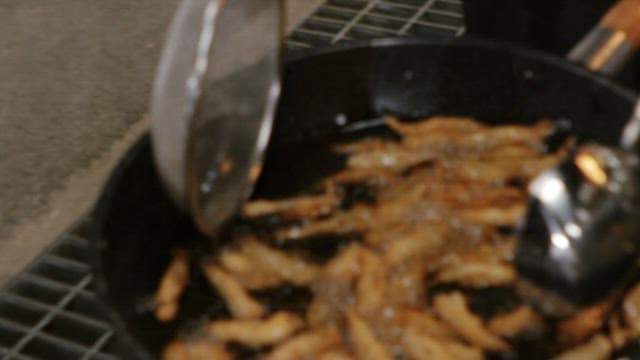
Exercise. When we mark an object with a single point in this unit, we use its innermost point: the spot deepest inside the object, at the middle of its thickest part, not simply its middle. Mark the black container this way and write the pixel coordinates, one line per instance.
(136, 225)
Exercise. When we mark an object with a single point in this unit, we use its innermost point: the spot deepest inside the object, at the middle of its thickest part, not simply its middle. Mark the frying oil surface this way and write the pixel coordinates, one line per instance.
(394, 244)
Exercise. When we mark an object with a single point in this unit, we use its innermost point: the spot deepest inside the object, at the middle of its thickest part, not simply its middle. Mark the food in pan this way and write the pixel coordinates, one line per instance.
(420, 267)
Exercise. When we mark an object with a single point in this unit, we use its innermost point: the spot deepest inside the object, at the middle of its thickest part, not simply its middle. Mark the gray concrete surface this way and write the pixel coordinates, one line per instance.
(75, 77)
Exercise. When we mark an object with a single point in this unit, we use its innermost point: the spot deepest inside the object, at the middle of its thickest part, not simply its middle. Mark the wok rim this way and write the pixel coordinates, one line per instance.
(98, 215)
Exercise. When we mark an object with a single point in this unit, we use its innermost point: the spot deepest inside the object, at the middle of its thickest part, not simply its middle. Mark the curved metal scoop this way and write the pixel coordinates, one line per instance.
(580, 239)
(213, 103)
(581, 235)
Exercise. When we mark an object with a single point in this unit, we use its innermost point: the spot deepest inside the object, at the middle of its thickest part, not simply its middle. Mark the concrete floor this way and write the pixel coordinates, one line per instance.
(76, 77)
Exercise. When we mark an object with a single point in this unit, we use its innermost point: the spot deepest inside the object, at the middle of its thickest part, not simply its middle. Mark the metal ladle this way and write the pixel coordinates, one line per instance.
(213, 103)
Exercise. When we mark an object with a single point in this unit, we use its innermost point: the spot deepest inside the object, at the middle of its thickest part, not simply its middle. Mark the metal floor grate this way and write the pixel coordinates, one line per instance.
(49, 312)
(344, 20)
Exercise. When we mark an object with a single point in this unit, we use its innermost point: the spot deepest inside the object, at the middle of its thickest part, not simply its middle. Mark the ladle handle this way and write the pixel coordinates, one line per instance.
(608, 46)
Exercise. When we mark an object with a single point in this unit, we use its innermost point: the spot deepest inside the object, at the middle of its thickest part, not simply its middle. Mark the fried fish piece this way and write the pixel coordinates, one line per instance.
(472, 143)
(499, 171)
(379, 175)
(240, 303)
(336, 354)
(309, 207)
(477, 274)
(367, 346)
(167, 311)
(206, 350)
(631, 310)
(598, 348)
(423, 240)
(453, 309)
(618, 335)
(287, 267)
(522, 319)
(176, 350)
(306, 345)
(407, 284)
(322, 311)
(460, 350)
(360, 218)
(583, 324)
(505, 216)
(421, 346)
(244, 270)
(342, 222)
(345, 266)
(397, 159)
(513, 151)
(422, 322)
(371, 288)
(334, 287)
(258, 266)
(172, 285)
(256, 332)
(517, 132)
(196, 350)
(461, 195)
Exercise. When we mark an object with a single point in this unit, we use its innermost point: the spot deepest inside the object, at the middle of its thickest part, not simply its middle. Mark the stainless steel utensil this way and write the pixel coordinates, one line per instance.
(213, 103)
(580, 240)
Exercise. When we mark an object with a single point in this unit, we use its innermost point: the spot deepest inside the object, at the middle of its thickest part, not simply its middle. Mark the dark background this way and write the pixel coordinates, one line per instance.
(550, 25)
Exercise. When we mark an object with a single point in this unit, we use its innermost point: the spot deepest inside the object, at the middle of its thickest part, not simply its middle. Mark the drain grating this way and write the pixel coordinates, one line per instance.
(49, 312)
(344, 20)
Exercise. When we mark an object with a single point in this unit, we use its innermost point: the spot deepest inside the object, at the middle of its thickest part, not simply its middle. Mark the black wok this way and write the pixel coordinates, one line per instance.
(135, 225)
